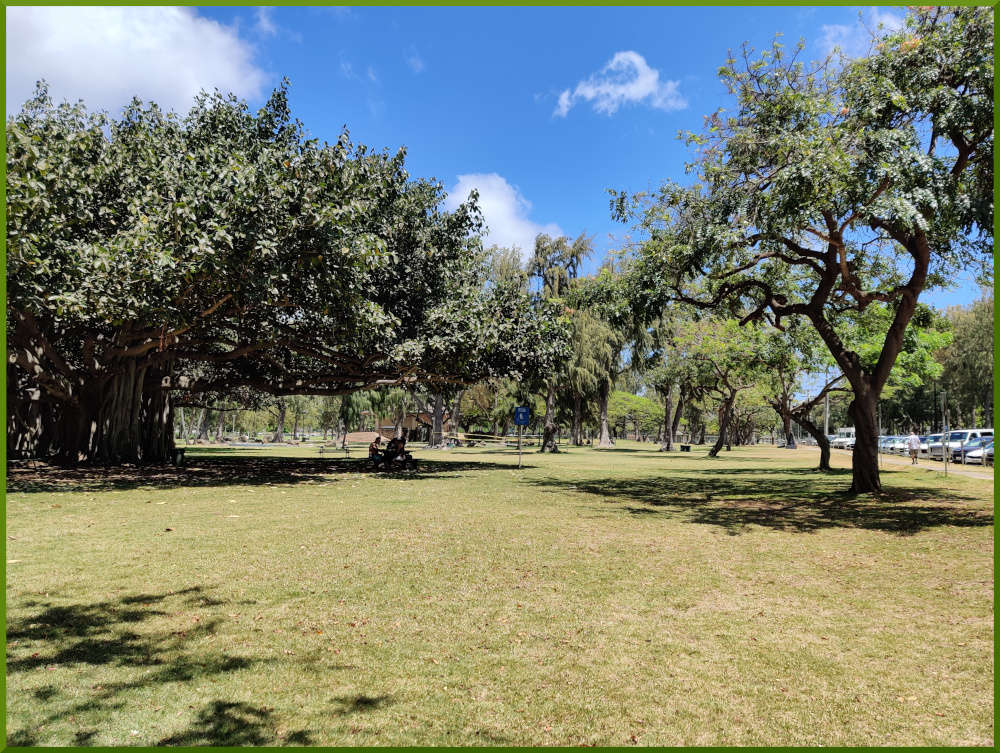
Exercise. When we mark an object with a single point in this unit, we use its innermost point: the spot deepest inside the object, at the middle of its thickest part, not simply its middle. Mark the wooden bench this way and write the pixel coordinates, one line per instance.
(685, 448)
(323, 448)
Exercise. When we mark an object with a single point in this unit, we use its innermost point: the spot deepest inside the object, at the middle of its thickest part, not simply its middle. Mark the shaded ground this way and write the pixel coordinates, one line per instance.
(217, 471)
(784, 499)
(110, 633)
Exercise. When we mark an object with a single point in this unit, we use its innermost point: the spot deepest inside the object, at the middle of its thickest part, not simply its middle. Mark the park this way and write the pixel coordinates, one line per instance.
(299, 453)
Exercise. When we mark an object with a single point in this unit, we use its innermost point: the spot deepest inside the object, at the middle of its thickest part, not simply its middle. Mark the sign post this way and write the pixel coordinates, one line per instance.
(521, 417)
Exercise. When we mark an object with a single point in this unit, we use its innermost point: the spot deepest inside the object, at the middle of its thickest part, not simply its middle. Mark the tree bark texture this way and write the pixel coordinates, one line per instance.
(435, 438)
(675, 425)
(725, 415)
(605, 440)
(122, 417)
(816, 433)
(279, 430)
(577, 420)
(864, 461)
(549, 430)
(668, 421)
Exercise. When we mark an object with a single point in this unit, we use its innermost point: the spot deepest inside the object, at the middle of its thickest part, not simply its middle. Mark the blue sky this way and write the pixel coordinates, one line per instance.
(541, 109)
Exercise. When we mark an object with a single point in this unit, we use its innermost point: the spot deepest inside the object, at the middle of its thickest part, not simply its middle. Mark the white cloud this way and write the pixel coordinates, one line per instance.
(414, 60)
(626, 79)
(856, 40)
(265, 25)
(504, 209)
(107, 55)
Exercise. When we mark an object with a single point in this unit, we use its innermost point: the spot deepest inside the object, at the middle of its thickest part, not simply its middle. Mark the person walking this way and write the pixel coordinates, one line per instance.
(913, 444)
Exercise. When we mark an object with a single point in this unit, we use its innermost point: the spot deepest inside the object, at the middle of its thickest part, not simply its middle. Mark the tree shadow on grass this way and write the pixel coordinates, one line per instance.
(222, 471)
(353, 704)
(796, 500)
(227, 723)
(44, 636)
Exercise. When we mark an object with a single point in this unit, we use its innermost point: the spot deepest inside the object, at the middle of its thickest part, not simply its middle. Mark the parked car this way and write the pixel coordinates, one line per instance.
(973, 444)
(926, 442)
(956, 439)
(982, 454)
(898, 446)
(842, 443)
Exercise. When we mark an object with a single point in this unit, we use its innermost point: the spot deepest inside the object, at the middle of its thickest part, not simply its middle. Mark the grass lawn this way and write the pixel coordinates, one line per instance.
(594, 597)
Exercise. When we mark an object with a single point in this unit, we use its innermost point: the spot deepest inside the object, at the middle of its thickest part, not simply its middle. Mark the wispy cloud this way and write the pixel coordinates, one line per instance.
(626, 79)
(505, 210)
(264, 21)
(156, 53)
(856, 40)
(414, 60)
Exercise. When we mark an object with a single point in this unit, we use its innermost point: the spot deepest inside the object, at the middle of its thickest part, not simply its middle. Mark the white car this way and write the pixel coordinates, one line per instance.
(926, 442)
(955, 441)
(843, 443)
(898, 446)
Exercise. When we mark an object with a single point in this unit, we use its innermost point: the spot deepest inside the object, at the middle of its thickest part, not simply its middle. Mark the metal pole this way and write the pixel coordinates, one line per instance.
(519, 430)
(826, 405)
(945, 449)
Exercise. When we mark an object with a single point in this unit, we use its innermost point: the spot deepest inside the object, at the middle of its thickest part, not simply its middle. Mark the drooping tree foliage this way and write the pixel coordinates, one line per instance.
(837, 187)
(152, 254)
(556, 264)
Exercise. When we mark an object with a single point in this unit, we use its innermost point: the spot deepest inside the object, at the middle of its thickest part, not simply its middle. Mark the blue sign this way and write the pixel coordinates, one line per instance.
(521, 416)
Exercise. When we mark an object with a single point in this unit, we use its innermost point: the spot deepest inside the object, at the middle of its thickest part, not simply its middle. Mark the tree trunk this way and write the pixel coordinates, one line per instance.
(725, 415)
(124, 417)
(819, 436)
(549, 431)
(605, 440)
(577, 420)
(436, 436)
(203, 425)
(786, 421)
(675, 424)
(279, 430)
(180, 413)
(865, 457)
(456, 415)
(668, 421)
(220, 426)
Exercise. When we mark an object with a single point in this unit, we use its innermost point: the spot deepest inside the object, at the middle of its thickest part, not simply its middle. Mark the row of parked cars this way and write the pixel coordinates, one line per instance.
(960, 445)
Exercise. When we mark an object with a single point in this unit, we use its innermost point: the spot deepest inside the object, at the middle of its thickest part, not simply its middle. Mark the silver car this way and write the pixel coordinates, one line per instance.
(955, 441)
(926, 442)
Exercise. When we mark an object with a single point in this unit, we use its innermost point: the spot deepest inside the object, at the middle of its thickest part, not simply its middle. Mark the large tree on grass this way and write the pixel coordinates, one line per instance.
(227, 250)
(838, 186)
(556, 263)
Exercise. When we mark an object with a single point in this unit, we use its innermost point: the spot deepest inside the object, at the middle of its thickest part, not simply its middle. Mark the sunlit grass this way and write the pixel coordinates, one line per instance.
(596, 597)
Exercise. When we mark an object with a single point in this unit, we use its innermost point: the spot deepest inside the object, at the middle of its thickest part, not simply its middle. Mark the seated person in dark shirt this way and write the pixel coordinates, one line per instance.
(396, 448)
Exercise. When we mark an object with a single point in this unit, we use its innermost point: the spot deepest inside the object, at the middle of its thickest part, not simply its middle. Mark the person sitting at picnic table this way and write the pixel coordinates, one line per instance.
(375, 449)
